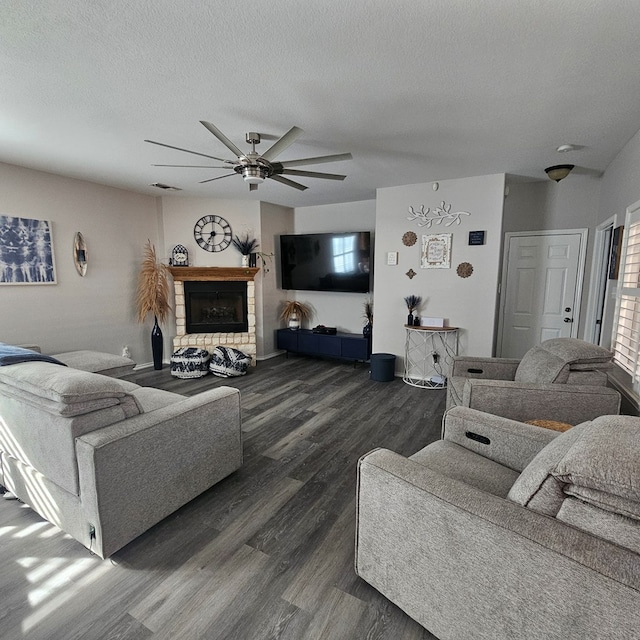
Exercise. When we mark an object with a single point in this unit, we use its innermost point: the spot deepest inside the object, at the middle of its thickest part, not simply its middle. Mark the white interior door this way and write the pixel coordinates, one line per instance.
(542, 282)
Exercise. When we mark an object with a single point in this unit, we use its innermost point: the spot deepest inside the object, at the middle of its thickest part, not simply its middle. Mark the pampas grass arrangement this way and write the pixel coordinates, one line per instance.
(153, 287)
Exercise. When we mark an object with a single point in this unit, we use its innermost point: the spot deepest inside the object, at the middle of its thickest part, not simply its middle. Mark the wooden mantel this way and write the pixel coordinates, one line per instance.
(220, 274)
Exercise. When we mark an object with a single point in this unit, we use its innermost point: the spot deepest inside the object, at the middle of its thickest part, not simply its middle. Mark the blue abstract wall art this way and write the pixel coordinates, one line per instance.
(26, 251)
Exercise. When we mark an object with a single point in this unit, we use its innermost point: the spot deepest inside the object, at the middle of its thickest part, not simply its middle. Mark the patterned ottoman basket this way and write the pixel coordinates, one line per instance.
(227, 362)
(189, 362)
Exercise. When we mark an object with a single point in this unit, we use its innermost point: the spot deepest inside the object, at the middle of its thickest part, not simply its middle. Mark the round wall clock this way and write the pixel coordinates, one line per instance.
(212, 233)
(409, 239)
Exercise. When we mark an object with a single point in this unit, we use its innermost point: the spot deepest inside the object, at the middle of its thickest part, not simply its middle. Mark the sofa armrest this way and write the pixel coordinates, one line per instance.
(524, 401)
(484, 368)
(136, 472)
(468, 564)
(508, 442)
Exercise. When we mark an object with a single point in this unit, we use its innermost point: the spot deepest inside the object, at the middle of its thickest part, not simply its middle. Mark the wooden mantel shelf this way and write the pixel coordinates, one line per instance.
(220, 274)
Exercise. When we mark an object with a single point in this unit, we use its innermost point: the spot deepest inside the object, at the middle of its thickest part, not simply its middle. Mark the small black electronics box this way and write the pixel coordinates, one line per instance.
(331, 331)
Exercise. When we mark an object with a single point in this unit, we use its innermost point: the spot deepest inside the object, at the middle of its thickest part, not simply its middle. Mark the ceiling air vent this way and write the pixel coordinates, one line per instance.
(166, 187)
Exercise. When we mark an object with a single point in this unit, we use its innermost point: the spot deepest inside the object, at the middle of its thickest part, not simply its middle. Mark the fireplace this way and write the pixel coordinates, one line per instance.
(216, 307)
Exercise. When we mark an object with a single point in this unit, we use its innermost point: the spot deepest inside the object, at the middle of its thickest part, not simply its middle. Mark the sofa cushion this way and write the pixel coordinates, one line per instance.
(618, 528)
(459, 463)
(107, 364)
(597, 462)
(540, 366)
(60, 384)
(536, 487)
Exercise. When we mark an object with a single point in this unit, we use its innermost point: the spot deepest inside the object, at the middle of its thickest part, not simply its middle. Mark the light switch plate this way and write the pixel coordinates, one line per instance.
(392, 258)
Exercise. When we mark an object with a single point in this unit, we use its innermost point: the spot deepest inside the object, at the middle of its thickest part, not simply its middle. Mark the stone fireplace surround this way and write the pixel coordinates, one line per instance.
(245, 341)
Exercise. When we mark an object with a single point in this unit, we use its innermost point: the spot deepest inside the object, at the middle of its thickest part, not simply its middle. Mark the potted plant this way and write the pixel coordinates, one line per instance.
(152, 296)
(245, 246)
(412, 302)
(294, 313)
(368, 315)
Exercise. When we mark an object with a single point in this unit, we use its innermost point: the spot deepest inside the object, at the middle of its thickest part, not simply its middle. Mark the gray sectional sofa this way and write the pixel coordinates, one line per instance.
(105, 459)
(504, 530)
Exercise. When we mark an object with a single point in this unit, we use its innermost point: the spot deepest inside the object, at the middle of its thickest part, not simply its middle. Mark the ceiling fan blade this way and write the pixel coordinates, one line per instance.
(191, 166)
(286, 141)
(218, 178)
(204, 155)
(289, 183)
(313, 174)
(225, 141)
(319, 160)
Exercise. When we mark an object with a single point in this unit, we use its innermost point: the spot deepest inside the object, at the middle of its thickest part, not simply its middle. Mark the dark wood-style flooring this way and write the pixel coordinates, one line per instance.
(265, 554)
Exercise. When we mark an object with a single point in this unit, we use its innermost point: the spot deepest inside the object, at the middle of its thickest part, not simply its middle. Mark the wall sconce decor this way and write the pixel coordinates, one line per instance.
(80, 254)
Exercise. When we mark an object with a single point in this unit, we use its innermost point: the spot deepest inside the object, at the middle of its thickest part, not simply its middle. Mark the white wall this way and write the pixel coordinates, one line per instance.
(468, 303)
(620, 184)
(275, 220)
(341, 310)
(94, 312)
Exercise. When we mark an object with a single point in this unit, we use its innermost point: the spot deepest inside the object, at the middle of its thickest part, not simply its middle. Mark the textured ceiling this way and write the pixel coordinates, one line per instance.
(415, 90)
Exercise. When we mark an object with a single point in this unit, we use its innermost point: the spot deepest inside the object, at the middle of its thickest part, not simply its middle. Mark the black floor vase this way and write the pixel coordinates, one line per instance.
(156, 344)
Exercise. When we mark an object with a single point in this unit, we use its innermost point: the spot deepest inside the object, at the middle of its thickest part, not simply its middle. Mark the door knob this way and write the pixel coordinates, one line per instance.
(568, 319)
(567, 309)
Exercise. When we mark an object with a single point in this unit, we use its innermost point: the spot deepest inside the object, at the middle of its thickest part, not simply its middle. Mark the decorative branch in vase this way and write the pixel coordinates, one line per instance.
(246, 246)
(152, 296)
(368, 315)
(294, 313)
(412, 302)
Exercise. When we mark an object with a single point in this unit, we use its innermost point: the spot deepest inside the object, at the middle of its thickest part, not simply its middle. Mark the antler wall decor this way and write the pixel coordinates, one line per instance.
(426, 217)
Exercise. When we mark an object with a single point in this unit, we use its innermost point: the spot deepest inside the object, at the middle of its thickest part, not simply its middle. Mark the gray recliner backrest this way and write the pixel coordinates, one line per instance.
(563, 360)
(589, 477)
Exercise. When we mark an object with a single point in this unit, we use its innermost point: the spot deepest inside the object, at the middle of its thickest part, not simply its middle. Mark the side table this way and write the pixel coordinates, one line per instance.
(428, 355)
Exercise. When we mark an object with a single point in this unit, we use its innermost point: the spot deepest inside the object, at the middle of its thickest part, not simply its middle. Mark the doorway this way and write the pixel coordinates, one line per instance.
(542, 278)
(602, 293)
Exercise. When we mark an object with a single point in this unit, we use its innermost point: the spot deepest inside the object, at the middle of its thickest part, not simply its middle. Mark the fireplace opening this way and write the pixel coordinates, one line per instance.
(216, 307)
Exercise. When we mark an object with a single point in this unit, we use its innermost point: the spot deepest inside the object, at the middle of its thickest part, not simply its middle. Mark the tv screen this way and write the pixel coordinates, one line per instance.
(327, 261)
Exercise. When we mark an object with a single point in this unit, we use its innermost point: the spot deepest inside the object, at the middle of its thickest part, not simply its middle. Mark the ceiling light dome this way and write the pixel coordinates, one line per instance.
(559, 171)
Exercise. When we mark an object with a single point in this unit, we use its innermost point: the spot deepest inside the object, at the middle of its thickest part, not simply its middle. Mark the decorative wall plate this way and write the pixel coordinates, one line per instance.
(410, 274)
(465, 269)
(409, 239)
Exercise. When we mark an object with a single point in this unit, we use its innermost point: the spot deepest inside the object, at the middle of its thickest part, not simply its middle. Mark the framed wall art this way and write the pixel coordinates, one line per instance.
(436, 251)
(26, 251)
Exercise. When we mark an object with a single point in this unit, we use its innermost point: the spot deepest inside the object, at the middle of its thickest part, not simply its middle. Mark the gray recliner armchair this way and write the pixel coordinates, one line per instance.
(563, 379)
(503, 530)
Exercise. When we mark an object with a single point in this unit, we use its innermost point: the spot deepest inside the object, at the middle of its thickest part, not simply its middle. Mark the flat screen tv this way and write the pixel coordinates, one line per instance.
(327, 261)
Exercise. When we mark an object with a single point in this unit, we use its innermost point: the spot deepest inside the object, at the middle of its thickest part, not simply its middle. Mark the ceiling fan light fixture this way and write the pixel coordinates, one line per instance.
(254, 175)
(559, 171)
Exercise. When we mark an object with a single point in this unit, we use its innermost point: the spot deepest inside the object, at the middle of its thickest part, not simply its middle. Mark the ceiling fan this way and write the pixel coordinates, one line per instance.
(255, 168)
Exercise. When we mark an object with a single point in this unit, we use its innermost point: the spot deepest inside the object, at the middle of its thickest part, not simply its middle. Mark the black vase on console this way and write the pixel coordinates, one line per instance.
(410, 320)
(156, 344)
(366, 330)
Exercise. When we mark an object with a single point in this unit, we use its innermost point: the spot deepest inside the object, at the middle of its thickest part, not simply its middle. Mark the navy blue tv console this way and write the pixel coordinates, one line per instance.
(346, 346)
